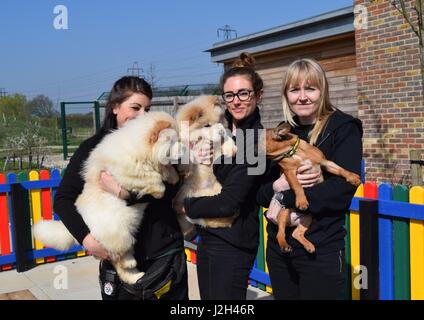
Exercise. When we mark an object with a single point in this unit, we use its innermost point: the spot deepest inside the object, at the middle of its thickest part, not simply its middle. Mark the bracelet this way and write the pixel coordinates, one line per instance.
(279, 196)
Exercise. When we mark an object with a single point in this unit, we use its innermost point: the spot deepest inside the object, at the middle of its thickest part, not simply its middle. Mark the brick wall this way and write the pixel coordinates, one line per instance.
(390, 99)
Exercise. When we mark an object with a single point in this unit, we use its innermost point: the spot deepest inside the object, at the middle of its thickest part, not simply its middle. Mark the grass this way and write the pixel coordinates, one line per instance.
(49, 130)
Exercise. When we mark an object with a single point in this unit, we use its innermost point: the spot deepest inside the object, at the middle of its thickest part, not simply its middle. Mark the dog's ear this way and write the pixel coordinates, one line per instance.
(194, 115)
(198, 116)
(213, 99)
(159, 126)
(282, 130)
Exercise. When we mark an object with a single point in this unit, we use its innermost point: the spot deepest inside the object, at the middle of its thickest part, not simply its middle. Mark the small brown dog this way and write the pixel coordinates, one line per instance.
(290, 151)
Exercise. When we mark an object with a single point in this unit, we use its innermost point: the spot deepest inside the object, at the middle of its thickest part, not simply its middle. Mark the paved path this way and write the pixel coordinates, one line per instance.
(49, 281)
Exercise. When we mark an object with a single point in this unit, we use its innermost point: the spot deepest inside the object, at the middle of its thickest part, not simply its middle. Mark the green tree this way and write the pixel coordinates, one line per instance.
(13, 107)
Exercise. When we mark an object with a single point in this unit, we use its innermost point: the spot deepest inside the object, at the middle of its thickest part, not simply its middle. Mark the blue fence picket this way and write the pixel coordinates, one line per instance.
(55, 174)
(386, 257)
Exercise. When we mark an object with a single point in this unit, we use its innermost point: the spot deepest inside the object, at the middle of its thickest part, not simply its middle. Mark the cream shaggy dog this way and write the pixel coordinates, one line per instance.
(201, 122)
(139, 156)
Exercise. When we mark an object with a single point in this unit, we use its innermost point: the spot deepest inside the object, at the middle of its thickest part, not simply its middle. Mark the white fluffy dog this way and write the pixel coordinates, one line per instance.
(139, 156)
(201, 122)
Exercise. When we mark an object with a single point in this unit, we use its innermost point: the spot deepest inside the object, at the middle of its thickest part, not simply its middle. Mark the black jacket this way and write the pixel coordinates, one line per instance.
(340, 142)
(238, 193)
(159, 230)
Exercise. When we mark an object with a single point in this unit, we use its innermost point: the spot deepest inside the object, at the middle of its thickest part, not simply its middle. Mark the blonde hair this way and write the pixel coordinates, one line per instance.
(312, 72)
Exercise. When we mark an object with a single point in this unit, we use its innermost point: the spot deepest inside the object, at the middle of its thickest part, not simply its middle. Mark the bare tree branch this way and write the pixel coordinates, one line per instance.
(419, 10)
(404, 12)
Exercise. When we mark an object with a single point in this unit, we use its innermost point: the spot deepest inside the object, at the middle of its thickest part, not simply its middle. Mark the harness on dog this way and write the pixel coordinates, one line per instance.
(289, 153)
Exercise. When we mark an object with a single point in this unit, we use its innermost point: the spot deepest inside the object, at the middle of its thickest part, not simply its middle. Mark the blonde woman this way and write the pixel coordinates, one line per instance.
(307, 108)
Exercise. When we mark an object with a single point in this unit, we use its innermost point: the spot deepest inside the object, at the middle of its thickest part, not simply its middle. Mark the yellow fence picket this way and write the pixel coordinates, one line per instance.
(416, 227)
(36, 209)
(355, 244)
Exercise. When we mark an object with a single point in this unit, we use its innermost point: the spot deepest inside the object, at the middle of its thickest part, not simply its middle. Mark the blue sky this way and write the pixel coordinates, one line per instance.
(105, 38)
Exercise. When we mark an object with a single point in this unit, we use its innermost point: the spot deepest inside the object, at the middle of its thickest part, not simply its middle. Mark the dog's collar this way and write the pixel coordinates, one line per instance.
(289, 153)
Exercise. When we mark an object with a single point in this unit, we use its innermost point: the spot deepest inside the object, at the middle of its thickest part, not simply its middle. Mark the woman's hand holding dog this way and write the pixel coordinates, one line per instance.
(178, 207)
(95, 248)
(307, 175)
(109, 184)
(203, 154)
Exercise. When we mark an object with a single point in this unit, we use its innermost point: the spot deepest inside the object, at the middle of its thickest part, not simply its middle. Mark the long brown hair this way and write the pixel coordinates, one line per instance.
(312, 72)
(121, 91)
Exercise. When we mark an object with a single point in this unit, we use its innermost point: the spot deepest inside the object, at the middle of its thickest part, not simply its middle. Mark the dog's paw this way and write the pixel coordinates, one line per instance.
(286, 249)
(156, 191)
(302, 204)
(129, 263)
(354, 179)
(158, 194)
(310, 248)
(284, 246)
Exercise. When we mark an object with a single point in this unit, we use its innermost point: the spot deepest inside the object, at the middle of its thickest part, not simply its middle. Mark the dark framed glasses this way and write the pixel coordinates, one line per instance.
(243, 95)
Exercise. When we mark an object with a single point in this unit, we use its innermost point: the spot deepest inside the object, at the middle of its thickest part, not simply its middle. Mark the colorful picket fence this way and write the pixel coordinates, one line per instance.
(392, 250)
(392, 247)
(400, 241)
(32, 197)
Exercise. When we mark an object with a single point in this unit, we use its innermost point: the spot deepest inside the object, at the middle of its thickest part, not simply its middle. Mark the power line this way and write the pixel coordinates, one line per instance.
(135, 70)
(227, 31)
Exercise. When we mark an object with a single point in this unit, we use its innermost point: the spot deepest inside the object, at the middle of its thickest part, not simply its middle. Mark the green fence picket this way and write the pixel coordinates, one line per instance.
(260, 257)
(348, 287)
(401, 248)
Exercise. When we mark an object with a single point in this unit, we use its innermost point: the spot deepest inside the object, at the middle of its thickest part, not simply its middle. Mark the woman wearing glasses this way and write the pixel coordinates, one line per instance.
(225, 256)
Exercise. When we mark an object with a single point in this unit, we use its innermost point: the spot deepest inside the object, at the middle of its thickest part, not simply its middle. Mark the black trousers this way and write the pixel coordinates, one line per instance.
(222, 269)
(306, 276)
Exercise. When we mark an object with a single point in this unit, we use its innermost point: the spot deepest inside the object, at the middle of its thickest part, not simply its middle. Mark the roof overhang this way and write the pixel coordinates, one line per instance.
(326, 25)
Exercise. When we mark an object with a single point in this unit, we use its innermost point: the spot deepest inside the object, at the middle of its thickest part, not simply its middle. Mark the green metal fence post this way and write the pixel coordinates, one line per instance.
(97, 114)
(64, 134)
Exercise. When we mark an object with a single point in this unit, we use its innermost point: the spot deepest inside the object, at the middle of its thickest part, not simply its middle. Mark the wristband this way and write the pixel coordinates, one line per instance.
(279, 196)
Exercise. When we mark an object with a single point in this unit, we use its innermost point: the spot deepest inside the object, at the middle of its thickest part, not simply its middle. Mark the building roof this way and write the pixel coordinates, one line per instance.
(329, 24)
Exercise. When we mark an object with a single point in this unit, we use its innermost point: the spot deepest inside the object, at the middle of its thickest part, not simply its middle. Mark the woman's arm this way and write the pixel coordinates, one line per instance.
(67, 193)
(265, 191)
(235, 189)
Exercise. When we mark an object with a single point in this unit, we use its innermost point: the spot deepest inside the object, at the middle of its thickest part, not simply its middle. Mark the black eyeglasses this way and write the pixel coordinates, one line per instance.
(243, 95)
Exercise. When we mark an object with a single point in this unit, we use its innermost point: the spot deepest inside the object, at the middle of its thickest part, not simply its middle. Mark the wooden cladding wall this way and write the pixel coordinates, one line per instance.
(336, 55)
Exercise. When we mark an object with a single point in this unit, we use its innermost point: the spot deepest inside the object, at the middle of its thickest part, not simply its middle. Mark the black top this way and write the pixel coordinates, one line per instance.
(159, 230)
(329, 201)
(238, 192)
